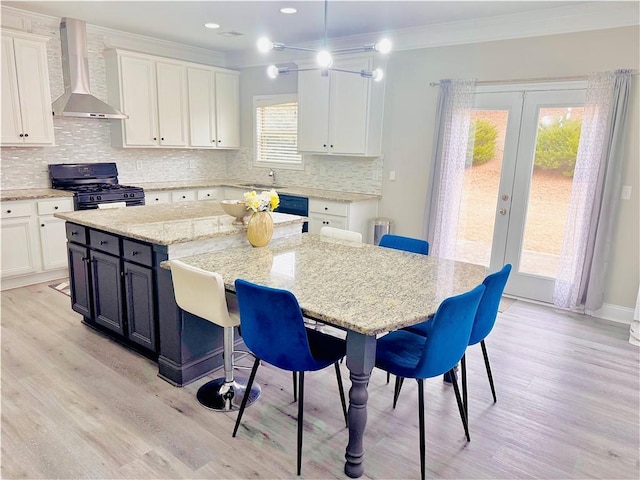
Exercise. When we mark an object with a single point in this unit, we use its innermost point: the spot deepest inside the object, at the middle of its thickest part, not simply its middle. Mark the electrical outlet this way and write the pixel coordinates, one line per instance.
(626, 192)
(392, 175)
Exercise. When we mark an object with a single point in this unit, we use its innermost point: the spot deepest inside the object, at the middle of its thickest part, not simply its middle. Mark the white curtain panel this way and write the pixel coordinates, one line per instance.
(594, 193)
(453, 119)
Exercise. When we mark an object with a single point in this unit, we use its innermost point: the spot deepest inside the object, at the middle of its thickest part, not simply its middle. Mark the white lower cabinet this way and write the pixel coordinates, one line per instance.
(34, 247)
(354, 216)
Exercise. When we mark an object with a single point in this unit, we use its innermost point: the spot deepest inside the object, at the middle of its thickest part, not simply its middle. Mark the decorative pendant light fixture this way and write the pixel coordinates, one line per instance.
(324, 57)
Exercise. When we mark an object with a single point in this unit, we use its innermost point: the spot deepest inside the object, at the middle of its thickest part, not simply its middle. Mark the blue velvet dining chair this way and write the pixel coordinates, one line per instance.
(273, 330)
(409, 355)
(408, 244)
(482, 325)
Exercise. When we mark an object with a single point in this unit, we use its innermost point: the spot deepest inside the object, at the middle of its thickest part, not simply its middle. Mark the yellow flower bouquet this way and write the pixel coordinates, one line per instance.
(267, 201)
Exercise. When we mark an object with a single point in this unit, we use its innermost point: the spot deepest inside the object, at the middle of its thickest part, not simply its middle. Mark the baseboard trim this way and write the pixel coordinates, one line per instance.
(615, 313)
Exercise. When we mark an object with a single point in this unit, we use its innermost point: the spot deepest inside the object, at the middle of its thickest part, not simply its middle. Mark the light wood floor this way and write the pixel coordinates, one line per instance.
(77, 405)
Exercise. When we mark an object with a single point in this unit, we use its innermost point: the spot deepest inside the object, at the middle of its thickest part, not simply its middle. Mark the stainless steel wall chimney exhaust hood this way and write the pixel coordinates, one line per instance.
(77, 100)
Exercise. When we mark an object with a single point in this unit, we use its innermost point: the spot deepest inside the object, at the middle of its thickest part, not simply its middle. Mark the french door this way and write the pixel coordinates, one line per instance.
(518, 182)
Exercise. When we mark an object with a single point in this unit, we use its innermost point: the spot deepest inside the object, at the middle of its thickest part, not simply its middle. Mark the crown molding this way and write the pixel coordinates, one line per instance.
(22, 20)
(567, 19)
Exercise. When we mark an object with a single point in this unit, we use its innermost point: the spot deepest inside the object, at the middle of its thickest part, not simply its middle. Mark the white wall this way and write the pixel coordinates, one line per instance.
(410, 107)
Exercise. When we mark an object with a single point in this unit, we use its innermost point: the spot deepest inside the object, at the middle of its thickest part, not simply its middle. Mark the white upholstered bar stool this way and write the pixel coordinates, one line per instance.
(202, 293)
(348, 235)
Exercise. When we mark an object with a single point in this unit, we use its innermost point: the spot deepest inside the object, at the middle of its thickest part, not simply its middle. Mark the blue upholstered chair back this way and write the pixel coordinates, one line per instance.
(488, 309)
(408, 244)
(273, 328)
(449, 334)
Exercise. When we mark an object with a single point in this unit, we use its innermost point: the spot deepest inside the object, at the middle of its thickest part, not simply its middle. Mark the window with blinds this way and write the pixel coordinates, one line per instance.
(277, 131)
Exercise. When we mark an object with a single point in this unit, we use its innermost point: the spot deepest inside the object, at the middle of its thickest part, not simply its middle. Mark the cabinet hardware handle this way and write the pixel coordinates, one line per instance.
(103, 242)
(331, 146)
(42, 224)
(326, 208)
(8, 211)
(55, 208)
(155, 138)
(324, 144)
(183, 196)
(84, 259)
(26, 134)
(161, 138)
(74, 233)
(22, 134)
(219, 141)
(133, 253)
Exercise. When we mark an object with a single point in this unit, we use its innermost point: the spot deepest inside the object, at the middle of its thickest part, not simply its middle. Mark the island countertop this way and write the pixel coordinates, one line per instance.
(169, 224)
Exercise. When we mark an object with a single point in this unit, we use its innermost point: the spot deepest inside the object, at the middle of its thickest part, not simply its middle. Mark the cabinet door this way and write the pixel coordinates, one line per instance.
(18, 246)
(156, 197)
(348, 107)
(172, 105)
(208, 194)
(11, 119)
(35, 96)
(227, 110)
(313, 112)
(138, 287)
(53, 242)
(317, 221)
(183, 196)
(79, 280)
(138, 90)
(106, 284)
(202, 126)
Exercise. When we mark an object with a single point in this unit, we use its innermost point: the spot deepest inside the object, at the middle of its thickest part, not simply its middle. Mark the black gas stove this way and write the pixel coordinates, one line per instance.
(94, 184)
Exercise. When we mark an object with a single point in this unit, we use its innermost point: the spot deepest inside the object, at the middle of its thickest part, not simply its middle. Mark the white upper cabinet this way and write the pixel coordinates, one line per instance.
(171, 103)
(214, 108)
(26, 96)
(154, 95)
(340, 114)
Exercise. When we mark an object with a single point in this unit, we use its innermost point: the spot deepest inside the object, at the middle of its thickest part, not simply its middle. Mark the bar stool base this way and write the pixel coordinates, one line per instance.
(220, 396)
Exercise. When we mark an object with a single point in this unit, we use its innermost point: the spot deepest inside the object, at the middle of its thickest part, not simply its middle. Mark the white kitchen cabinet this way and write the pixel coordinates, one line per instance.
(26, 98)
(34, 246)
(183, 196)
(154, 95)
(19, 237)
(151, 197)
(207, 194)
(214, 108)
(354, 216)
(53, 237)
(340, 114)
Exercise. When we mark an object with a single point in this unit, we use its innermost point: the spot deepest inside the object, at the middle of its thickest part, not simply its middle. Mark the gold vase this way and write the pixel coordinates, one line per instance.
(260, 229)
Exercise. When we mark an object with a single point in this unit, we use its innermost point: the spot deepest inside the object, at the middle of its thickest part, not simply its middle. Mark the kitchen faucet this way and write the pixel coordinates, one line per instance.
(273, 175)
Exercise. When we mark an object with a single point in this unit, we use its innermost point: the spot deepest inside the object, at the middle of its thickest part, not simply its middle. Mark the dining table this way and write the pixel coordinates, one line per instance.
(363, 289)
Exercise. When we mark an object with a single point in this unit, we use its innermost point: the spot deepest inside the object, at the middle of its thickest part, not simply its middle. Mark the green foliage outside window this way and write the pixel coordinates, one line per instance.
(484, 141)
(557, 147)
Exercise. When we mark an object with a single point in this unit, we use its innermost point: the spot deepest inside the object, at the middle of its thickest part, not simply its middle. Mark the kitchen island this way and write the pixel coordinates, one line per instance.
(119, 288)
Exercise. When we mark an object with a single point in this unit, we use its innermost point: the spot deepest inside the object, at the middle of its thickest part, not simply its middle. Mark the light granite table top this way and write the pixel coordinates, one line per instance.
(169, 224)
(32, 194)
(360, 287)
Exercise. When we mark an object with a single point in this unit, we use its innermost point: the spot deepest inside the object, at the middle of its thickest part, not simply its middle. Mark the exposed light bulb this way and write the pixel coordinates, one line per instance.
(211, 25)
(264, 44)
(377, 74)
(324, 59)
(288, 10)
(383, 46)
(272, 71)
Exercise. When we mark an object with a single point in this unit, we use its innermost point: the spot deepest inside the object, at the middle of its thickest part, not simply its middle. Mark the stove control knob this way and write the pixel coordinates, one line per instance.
(91, 199)
(98, 197)
(131, 195)
(126, 195)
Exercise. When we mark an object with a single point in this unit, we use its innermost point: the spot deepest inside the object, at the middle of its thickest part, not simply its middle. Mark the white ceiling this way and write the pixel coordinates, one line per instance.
(182, 21)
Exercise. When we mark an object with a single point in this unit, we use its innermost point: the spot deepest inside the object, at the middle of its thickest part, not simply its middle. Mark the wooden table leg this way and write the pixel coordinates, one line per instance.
(361, 357)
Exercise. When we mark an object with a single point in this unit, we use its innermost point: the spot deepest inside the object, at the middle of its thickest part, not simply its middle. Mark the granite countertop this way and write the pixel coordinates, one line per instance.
(333, 195)
(32, 194)
(357, 286)
(168, 224)
(319, 193)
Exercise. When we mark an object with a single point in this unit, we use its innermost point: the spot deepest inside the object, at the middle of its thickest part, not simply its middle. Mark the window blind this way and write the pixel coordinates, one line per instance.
(277, 133)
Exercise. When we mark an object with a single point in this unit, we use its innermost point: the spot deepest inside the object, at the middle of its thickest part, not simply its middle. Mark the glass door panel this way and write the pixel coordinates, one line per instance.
(558, 135)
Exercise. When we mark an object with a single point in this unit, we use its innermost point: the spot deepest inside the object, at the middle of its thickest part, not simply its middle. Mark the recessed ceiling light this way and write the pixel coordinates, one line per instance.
(288, 10)
(211, 25)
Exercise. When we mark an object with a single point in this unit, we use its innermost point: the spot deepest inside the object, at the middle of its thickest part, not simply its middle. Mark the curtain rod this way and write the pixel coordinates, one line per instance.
(530, 80)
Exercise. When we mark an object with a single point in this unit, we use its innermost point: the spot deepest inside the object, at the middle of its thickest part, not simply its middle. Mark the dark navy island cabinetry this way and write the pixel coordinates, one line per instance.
(120, 288)
(112, 285)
